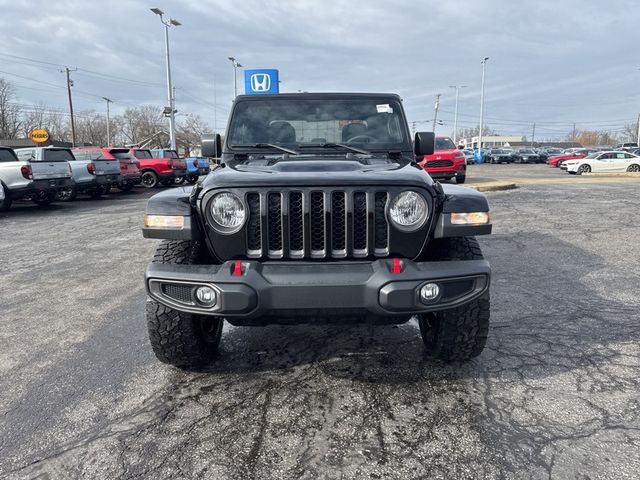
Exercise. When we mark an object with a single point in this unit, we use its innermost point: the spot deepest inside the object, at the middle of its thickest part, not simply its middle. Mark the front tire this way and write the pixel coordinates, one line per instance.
(461, 178)
(44, 199)
(584, 169)
(457, 334)
(182, 339)
(6, 202)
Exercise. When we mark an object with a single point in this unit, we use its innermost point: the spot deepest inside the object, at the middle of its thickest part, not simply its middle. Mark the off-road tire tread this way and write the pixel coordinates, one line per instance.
(460, 333)
(175, 336)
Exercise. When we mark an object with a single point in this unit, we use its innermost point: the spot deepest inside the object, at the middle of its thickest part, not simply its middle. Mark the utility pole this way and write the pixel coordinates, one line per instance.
(573, 134)
(236, 65)
(483, 62)
(638, 139)
(108, 121)
(413, 124)
(455, 115)
(435, 116)
(533, 135)
(73, 123)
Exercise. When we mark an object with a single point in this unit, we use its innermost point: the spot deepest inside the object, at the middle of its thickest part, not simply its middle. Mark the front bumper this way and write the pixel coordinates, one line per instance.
(250, 289)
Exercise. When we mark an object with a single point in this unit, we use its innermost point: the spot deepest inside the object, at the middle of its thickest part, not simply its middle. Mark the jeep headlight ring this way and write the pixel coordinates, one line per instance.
(228, 212)
(408, 211)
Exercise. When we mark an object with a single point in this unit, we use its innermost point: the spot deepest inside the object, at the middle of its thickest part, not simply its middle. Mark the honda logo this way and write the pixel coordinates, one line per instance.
(260, 82)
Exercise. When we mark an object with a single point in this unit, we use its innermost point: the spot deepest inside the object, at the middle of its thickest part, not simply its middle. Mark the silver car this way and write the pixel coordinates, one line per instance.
(36, 173)
(93, 174)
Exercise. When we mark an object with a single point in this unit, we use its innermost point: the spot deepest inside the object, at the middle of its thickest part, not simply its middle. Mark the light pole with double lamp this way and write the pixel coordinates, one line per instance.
(483, 62)
(171, 109)
(236, 66)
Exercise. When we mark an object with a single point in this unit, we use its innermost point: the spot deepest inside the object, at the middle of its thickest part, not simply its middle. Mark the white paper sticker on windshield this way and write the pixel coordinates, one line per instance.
(384, 108)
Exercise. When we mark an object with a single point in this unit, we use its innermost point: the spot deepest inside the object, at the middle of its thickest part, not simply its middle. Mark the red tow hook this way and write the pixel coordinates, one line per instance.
(237, 269)
(397, 266)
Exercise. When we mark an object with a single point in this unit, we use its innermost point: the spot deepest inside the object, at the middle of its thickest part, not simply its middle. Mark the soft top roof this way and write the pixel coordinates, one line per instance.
(318, 96)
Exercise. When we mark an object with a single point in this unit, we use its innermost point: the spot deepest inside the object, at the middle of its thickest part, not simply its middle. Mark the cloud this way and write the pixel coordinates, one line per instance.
(570, 61)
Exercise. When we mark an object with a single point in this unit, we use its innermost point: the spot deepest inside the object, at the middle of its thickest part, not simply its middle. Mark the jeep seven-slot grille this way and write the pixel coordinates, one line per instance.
(317, 224)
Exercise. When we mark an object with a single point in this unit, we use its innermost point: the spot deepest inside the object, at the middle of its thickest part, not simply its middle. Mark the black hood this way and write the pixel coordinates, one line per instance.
(317, 171)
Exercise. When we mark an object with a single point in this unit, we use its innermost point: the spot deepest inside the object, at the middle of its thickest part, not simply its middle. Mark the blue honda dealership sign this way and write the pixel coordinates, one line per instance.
(261, 82)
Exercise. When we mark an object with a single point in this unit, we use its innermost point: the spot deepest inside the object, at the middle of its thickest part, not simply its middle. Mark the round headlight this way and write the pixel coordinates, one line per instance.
(228, 212)
(408, 210)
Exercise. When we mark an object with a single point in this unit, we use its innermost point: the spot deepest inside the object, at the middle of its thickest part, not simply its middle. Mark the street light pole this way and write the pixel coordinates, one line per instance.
(170, 97)
(484, 62)
(108, 100)
(236, 65)
(435, 115)
(455, 115)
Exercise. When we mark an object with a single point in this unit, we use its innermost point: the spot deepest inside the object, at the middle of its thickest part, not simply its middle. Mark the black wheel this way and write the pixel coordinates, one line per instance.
(461, 178)
(149, 179)
(125, 187)
(460, 333)
(67, 194)
(44, 198)
(633, 168)
(5, 203)
(96, 192)
(584, 169)
(192, 179)
(177, 338)
(178, 180)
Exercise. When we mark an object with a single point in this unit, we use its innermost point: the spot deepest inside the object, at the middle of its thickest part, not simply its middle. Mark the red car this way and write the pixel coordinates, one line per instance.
(557, 160)
(446, 162)
(159, 166)
(129, 166)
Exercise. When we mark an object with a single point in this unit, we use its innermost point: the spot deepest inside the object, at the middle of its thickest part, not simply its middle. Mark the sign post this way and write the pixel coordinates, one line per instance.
(261, 82)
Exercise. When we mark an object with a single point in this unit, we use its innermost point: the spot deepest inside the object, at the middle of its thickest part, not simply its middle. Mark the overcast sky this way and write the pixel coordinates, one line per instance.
(551, 62)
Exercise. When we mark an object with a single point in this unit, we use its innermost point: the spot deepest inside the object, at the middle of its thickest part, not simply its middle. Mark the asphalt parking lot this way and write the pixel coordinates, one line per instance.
(554, 395)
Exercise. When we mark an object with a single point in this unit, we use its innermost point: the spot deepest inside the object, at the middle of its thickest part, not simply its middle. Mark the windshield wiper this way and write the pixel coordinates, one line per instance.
(268, 145)
(336, 145)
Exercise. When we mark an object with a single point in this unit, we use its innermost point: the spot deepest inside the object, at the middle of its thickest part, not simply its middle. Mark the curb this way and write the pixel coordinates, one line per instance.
(612, 174)
(493, 186)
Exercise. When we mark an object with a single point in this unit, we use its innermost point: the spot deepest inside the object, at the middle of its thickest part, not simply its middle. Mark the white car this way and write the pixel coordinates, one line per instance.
(601, 162)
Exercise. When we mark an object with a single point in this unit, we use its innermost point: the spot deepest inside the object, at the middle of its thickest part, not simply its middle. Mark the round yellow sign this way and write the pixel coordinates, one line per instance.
(39, 135)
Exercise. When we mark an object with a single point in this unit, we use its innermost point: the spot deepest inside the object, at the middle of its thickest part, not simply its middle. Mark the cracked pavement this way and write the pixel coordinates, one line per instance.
(556, 394)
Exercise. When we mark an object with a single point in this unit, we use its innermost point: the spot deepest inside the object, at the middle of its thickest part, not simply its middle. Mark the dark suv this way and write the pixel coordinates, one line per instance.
(318, 212)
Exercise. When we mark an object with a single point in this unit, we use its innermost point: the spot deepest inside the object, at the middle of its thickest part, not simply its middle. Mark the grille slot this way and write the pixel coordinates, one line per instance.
(275, 225)
(254, 232)
(338, 225)
(296, 225)
(300, 224)
(179, 293)
(381, 226)
(318, 224)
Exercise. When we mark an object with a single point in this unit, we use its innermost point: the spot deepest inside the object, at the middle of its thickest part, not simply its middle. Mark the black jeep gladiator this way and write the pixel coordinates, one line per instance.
(317, 212)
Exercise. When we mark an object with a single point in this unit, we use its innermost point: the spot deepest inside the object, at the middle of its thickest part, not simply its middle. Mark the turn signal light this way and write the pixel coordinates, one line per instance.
(164, 221)
(471, 218)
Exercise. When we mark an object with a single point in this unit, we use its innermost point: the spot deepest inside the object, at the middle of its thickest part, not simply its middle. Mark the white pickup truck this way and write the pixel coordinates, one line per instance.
(36, 173)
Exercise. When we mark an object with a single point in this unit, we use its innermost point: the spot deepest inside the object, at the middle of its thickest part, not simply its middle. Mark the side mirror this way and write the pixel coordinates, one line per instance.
(212, 145)
(424, 143)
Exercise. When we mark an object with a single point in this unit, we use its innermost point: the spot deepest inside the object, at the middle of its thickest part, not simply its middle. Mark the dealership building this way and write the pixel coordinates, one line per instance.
(501, 141)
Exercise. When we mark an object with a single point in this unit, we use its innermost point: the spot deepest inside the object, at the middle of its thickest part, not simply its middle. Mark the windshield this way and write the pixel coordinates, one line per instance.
(444, 144)
(593, 155)
(499, 152)
(367, 123)
(57, 156)
(142, 154)
(526, 151)
(7, 155)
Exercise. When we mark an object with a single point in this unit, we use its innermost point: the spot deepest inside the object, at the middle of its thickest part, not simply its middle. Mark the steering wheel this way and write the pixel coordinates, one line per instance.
(361, 139)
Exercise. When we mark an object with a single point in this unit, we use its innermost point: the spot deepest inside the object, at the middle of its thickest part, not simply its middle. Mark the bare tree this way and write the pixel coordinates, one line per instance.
(473, 132)
(190, 131)
(10, 111)
(140, 123)
(91, 128)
